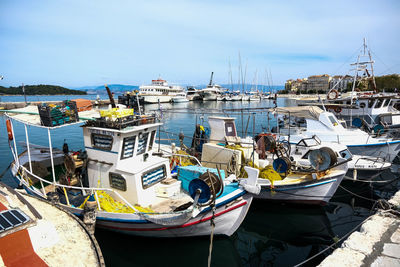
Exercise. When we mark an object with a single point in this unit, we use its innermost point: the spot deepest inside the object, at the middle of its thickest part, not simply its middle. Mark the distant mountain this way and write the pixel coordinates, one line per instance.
(116, 88)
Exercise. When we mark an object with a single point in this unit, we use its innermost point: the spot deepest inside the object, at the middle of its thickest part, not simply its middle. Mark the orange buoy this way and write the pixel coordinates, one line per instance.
(9, 130)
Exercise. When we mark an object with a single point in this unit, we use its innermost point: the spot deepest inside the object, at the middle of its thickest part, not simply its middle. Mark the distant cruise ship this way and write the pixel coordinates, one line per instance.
(159, 91)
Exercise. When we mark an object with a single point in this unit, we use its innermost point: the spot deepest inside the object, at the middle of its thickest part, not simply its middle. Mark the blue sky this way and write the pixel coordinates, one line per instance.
(78, 43)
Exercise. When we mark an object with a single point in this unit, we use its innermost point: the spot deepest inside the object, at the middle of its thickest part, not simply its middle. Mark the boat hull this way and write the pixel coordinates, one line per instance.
(153, 99)
(388, 150)
(309, 193)
(229, 214)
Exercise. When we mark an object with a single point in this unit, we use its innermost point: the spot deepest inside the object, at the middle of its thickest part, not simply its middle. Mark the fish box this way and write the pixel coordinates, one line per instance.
(188, 173)
(168, 190)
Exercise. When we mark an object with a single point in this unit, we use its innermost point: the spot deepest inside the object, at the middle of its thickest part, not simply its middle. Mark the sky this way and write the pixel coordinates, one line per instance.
(76, 43)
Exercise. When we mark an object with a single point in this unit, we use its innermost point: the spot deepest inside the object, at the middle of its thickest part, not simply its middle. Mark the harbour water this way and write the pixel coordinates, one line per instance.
(273, 234)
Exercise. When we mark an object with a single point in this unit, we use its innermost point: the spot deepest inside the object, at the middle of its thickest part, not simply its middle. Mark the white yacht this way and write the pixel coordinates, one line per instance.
(159, 91)
(179, 98)
(212, 92)
(325, 125)
(193, 94)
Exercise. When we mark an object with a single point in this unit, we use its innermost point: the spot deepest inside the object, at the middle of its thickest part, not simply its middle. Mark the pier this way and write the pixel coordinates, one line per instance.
(377, 243)
(12, 105)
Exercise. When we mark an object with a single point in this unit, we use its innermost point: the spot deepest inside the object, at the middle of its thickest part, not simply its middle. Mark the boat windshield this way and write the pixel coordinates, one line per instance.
(346, 154)
(333, 120)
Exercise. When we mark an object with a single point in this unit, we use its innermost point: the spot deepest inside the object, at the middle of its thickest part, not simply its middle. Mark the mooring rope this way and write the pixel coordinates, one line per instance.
(211, 235)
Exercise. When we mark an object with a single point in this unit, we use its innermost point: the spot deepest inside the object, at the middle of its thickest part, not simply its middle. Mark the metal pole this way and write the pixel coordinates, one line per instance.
(28, 148)
(254, 125)
(51, 157)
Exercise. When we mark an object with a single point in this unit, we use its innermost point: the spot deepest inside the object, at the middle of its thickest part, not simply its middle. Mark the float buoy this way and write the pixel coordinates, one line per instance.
(332, 94)
(9, 130)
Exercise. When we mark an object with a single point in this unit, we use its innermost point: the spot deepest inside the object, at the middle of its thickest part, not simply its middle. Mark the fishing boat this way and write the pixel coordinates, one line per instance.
(119, 182)
(159, 91)
(34, 232)
(278, 179)
(312, 120)
(358, 166)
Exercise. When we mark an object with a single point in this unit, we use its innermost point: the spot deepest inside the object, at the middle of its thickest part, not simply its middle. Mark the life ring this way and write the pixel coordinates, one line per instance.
(333, 91)
(9, 130)
(338, 109)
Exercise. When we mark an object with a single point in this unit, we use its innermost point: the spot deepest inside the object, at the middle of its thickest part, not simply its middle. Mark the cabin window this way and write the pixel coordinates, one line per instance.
(333, 120)
(379, 103)
(117, 181)
(142, 144)
(128, 147)
(230, 129)
(153, 176)
(386, 103)
(153, 135)
(371, 102)
(102, 141)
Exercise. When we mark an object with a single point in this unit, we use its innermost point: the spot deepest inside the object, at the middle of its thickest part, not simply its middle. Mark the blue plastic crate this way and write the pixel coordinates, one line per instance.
(188, 173)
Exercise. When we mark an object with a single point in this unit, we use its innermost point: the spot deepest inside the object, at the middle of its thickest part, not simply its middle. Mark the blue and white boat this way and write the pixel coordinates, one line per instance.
(326, 126)
(121, 181)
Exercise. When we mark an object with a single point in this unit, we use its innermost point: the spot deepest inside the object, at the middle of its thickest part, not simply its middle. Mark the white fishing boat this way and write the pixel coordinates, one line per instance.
(298, 154)
(121, 183)
(325, 125)
(34, 232)
(254, 96)
(179, 98)
(245, 97)
(314, 185)
(159, 91)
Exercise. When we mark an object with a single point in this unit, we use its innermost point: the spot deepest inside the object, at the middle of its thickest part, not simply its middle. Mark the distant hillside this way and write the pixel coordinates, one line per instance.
(113, 87)
(41, 89)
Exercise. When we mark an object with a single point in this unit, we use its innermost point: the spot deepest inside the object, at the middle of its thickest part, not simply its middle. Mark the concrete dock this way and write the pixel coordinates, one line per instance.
(377, 243)
(12, 105)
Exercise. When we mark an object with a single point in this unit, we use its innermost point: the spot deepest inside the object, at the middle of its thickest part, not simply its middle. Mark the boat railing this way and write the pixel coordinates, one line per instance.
(84, 189)
(182, 155)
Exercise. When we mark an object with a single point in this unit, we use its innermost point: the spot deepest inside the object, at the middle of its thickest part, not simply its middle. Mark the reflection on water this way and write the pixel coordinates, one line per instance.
(272, 233)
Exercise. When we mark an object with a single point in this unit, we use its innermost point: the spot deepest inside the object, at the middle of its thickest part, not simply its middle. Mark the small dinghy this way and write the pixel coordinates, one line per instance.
(33, 232)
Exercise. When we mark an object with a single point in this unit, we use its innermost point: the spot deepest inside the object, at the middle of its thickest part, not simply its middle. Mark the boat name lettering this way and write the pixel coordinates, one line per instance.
(101, 132)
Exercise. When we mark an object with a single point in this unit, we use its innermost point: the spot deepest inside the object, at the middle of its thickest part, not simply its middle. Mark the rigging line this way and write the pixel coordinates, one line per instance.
(334, 244)
(369, 199)
(376, 56)
(347, 60)
(369, 181)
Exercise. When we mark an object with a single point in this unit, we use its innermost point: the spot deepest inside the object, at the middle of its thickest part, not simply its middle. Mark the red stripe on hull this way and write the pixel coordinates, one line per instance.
(178, 226)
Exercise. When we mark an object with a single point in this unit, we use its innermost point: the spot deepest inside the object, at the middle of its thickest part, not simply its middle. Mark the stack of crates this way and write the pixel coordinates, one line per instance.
(55, 115)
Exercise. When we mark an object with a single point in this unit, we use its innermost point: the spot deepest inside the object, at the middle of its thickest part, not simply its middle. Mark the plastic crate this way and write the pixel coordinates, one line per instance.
(51, 115)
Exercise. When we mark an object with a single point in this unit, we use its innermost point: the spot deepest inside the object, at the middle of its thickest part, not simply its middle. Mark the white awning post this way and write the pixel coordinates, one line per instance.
(51, 157)
(29, 157)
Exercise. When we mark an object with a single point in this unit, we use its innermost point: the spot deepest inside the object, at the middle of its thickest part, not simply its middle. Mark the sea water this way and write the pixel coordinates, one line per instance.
(275, 234)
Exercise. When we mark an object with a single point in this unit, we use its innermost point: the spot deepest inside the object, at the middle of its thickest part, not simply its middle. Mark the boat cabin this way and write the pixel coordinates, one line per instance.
(122, 159)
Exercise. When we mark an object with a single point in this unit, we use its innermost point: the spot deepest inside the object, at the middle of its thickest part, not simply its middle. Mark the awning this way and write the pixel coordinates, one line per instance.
(307, 112)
